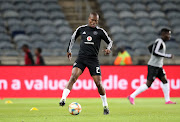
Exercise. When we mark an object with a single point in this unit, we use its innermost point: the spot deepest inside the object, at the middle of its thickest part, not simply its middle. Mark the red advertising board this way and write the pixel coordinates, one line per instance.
(49, 81)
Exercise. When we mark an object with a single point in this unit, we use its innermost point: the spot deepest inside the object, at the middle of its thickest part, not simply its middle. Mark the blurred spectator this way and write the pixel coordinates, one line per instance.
(123, 57)
(141, 62)
(39, 58)
(28, 59)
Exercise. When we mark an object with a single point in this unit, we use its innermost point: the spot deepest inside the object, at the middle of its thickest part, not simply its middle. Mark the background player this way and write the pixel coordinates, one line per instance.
(39, 58)
(91, 36)
(155, 69)
(28, 58)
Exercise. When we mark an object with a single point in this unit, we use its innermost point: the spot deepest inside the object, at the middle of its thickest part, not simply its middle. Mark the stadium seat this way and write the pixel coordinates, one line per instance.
(110, 14)
(32, 29)
(7, 7)
(144, 22)
(23, 7)
(129, 22)
(41, 15)
(116, 30)
(21, 37)
(133, 29)
(52, 37)
(123, 7)
(107, 6)
(173, 15)
(174, 22)
(65, 38)
(64, 29)
(45, 22)
(5, 37)
(148, 29)
(2, 29)
(136, 37)
(25, 14)
(29, 22)
(154, 6)
(141, 14)
(11, 52)
(126, 14)
(36, 37)
(141, 52)
(157, 14)
(169, 6)
(10, 14)
(60, 22)
(139, 7)
(48, 29)
(56, 15)
(6, 45)
(160, 22)
(37, 7)
(53, 7)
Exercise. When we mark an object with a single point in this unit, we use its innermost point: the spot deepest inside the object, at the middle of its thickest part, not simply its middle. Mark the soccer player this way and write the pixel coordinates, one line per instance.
(28, 58)
(91, 36)
(39, 58)
(155, 67)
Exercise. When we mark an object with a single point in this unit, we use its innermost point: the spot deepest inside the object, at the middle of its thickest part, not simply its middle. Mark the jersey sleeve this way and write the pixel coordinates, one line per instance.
(107, 39)
(73, 39)
(156, 51)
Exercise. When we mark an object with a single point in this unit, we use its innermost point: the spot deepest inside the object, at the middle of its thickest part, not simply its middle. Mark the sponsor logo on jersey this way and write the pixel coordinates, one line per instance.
(89, 38)
(95, 32)
(84, 33)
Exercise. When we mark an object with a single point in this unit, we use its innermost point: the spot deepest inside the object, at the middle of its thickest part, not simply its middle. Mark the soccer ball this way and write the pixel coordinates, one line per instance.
(74, 108)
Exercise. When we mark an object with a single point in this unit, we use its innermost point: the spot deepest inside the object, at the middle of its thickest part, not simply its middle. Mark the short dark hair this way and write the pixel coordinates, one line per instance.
(39, 49)
(94, 13)
(164, 30)
(25, 46)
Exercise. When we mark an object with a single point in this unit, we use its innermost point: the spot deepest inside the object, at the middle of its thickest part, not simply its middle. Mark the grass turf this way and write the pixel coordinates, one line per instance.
(146, 109)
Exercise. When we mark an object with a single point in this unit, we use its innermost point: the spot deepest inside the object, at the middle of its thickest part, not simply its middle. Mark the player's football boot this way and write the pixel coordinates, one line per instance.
(131, 100)
(62, 102)
(106, 110)
(170, 102)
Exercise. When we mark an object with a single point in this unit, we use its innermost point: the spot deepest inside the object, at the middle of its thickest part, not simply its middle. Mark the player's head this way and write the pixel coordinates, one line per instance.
(25, 47)
(165, 34)
(38, 51)
(121, 49)
(93, 19)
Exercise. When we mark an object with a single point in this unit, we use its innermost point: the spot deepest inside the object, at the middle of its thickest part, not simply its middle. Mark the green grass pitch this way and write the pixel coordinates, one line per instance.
(146, 109)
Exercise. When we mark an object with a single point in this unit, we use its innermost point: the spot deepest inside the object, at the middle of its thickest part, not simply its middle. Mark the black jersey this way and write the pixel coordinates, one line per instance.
(90, 40)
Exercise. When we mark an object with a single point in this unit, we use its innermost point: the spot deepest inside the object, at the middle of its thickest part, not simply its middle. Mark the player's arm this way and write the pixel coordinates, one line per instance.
(108, 40)
(71, 43)
(156, 51)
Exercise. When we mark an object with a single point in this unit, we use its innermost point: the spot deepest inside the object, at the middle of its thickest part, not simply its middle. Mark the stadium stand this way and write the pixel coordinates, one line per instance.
(38, 23)
(45, 23)
(136, 23)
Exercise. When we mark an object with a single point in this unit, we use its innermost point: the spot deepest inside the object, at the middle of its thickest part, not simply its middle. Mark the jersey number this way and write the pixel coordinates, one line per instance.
(97, 70)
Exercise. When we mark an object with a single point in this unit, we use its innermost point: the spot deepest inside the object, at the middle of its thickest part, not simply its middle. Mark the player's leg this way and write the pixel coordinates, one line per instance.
(165, 87)
(152, 72)
(76, 72)
(101, 90)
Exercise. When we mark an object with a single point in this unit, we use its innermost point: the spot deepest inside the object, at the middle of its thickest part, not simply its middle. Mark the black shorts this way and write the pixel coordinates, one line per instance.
(155, 72)
(91, 63)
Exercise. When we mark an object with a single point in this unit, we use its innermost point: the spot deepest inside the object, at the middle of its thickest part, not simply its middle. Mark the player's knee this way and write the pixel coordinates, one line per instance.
(74, 77)
(164, 81)
(148, 84)
(98, 84)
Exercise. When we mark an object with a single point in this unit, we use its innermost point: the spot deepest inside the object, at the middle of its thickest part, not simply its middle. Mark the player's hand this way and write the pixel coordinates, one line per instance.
(107, 51)
(69, 55)
(172, 56)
